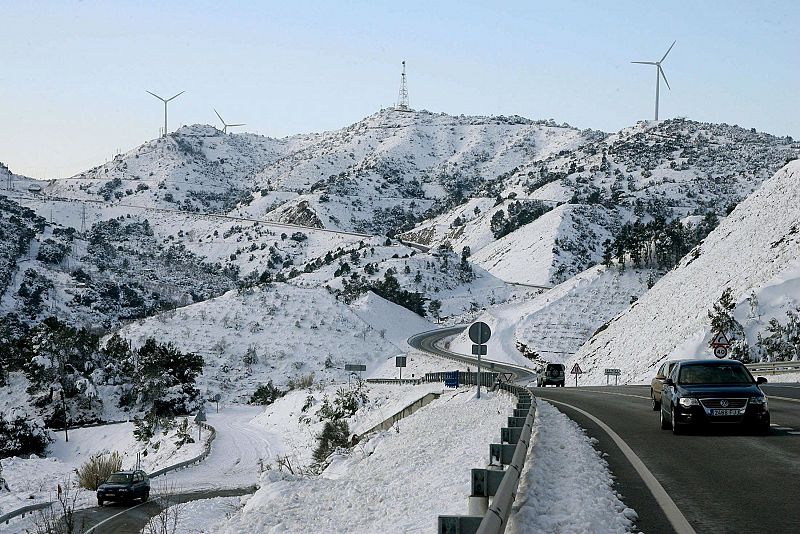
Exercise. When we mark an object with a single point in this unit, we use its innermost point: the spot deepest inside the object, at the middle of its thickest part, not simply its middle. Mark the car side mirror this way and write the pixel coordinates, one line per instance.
(669, 382)
(761, 380)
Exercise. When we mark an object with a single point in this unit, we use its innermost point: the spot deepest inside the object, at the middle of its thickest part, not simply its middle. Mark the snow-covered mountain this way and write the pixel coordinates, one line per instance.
(753, 253)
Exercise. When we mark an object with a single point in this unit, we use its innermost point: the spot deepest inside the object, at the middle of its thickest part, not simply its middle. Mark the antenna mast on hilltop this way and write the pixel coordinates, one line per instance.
(402, 99)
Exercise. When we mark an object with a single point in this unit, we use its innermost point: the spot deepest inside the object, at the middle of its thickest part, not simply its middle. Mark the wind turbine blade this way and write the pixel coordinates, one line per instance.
(220, 117)
(243, 124)
(664, 76)
(155, 95)
(670, 48)
(645, 62)
(176, 96)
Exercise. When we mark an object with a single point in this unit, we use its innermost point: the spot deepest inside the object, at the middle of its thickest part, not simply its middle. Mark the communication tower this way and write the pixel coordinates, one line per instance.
(402, 99)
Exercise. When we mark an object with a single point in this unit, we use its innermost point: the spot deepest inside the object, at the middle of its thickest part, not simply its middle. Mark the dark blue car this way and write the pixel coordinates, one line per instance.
(713, 392)
(124, 486)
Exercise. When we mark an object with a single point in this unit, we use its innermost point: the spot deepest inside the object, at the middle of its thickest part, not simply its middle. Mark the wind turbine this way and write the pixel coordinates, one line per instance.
(659, 71)
(165, 107)
(225, 126)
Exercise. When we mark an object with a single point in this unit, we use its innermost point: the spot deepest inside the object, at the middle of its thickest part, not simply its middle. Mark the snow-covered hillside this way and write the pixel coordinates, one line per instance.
(755, 250)
(279, 333)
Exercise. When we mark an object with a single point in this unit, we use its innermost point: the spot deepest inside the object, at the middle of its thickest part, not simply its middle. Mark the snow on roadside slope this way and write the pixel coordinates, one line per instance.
(566, 486)
(395, 482)
(755, 246)
(33, 480)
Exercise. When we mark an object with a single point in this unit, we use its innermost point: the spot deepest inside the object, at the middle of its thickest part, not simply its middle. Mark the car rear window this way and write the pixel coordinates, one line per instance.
(714, 374)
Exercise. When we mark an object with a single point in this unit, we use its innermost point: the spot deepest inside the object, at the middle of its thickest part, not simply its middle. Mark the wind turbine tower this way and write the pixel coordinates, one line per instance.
(402, 99)
(165, 107)
(225, 126)
(659, 72)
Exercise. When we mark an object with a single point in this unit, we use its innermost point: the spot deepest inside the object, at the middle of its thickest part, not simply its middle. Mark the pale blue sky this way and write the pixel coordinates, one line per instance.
(73, 75)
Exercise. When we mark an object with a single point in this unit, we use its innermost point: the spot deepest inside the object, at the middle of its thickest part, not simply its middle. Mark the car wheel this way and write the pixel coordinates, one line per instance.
(656, 404)
(146, 496)
(675, 427)
(665, 422)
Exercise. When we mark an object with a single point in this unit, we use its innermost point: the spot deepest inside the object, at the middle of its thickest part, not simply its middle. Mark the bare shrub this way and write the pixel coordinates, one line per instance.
(60, 517)
(169, 518)
(97, 469)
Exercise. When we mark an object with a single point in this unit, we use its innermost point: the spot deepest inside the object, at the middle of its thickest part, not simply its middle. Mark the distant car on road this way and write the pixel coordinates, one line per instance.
(124, 486)
(553, 373)
(713, 392)
(657, 384)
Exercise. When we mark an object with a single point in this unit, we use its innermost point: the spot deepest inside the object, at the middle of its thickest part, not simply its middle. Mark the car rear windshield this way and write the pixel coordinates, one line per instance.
(119, 478)
(555, 369)
(714, 374)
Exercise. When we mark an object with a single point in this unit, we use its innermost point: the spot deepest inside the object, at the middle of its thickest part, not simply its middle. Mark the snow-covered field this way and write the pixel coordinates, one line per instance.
(398, 481)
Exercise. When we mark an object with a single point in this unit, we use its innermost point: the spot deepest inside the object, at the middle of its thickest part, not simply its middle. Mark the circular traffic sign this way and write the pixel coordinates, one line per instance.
(720, 352)
(480, 333)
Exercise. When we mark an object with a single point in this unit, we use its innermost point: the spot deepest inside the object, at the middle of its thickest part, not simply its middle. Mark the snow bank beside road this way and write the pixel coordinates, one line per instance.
(395, 482)
(566, 486)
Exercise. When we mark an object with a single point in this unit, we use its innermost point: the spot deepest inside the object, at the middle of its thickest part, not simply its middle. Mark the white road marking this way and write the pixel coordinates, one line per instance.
(126, 510)
(620, 394)
(783, 428)
(787, 399)
(671, 510)
(795, 433)
(777, 386)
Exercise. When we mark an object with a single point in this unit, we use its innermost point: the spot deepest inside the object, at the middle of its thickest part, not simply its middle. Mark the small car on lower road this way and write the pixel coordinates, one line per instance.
(713, 392)
(124, 486)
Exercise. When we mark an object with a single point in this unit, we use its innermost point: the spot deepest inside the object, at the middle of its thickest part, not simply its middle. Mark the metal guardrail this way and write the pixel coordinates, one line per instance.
(412, 381)
(199, 458)
(5, 518)
(774, 368)
(495, 482)
(405, 412)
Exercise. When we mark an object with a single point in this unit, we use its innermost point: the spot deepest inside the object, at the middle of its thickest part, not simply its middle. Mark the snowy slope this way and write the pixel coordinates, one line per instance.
(755, 249)
(292, 331)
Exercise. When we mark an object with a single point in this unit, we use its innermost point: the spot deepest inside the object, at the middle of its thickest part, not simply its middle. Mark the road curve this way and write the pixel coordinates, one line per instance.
(426, 341)
(723, 481)
(123, 518)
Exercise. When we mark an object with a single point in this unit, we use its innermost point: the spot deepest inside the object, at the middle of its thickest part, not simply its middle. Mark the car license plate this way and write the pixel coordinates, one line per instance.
(723, 413)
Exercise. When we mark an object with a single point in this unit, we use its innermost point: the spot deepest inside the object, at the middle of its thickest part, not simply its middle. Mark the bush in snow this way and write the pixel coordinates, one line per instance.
(335, 435)
(97, 469)
(52, 252)
(266, 394)
(20, 436)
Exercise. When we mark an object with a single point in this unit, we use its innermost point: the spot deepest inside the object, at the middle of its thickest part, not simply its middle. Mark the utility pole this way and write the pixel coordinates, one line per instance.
(66, 419)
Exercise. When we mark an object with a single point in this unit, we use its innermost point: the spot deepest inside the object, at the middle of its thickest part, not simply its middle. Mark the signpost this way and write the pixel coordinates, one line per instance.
(400, 362)
(352, 368)
(199, 418)
(615, 373)
(576, 370)
(451, 379)
(216, 399)
(720, 344)
(479, 333)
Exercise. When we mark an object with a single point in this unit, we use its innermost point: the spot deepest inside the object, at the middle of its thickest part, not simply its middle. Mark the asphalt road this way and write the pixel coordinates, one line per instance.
(723, 481)
(131, 518)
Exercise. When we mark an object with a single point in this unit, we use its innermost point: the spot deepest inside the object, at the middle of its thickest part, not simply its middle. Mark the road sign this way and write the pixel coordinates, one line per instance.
(720, 340)
(200, 417)
(400, 361)
(576, 370)
(479, 350)
(451, 379)
(612, 372)
(721, 351)
(480, 333)
(354, 367)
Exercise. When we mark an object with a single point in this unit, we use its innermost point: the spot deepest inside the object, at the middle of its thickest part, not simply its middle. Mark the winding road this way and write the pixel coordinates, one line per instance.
(716, 481)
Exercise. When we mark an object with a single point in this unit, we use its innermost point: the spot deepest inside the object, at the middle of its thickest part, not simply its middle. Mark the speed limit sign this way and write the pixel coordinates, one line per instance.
(721, 352)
